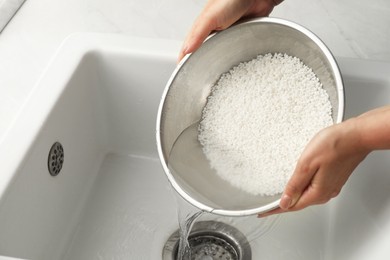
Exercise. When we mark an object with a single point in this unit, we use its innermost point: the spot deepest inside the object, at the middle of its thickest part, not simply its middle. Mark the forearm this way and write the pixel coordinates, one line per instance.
(373, 129)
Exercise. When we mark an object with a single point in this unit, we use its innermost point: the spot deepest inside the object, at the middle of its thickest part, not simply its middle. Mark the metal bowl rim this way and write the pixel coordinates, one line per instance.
(265, 208)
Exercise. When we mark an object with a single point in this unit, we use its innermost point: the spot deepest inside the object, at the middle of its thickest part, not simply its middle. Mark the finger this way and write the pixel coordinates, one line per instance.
(296, 186)
(271, 212)
(311, 196)
(216, 16)
(319, 191)
(202, 28)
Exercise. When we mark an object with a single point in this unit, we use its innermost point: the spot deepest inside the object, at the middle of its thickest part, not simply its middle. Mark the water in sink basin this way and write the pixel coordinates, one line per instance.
(112, 200)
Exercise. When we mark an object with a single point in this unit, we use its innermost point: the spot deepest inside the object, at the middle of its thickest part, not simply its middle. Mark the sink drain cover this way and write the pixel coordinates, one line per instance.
(55, 159)
(210, 246)
(211, 240)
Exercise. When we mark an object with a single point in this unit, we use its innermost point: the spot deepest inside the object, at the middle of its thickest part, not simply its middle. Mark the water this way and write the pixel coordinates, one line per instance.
(252, 227)
(187, 149)
(187, 159)
(186, 224)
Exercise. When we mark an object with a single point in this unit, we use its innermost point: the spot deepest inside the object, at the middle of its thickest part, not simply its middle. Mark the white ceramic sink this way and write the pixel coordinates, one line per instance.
(111, 200)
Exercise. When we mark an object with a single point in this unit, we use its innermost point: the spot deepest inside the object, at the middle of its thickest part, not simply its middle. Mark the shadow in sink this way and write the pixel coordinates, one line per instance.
(371, 180)
(360, 215)
(111, 199)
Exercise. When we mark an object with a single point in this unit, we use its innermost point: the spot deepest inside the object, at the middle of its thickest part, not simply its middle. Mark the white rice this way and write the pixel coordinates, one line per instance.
(258, 119)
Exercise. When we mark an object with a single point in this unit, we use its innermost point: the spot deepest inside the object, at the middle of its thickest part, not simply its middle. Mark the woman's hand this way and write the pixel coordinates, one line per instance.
(220, 14)
(330, 158)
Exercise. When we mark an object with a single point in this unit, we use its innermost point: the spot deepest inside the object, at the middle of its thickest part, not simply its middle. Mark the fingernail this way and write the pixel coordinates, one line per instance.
(184, 49)
(285, 202)
(262, 215)
(182, 53)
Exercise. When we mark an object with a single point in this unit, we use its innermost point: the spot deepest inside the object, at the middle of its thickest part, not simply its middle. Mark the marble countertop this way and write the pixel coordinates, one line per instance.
(350, 28)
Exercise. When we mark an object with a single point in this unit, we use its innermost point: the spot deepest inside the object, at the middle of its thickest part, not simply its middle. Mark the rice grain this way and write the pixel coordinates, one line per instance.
(258, 119)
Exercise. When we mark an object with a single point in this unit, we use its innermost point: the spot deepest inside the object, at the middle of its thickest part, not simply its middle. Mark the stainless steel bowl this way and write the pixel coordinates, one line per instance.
(185, 96)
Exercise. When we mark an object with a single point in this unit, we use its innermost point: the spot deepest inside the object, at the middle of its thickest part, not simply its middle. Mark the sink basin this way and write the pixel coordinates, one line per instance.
(110, 199)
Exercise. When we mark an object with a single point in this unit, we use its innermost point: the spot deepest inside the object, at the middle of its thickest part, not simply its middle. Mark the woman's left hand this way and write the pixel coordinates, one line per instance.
(323, 168)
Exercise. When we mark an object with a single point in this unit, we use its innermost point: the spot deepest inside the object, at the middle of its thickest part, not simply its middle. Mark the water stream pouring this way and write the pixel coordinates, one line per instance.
(211, 240)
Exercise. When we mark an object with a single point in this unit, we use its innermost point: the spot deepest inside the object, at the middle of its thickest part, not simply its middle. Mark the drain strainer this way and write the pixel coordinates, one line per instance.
(210, 246)
(210, 240)
(55, 159)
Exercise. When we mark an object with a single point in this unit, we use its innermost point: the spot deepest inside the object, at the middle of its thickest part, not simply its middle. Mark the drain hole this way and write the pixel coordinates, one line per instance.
(211, 246)
(55, 159)
(211, 240)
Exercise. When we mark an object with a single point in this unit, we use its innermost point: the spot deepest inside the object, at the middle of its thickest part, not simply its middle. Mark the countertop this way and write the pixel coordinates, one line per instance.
(350, 28)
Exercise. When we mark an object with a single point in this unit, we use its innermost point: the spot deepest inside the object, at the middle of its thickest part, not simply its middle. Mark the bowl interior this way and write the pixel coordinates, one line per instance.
(190, 85)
